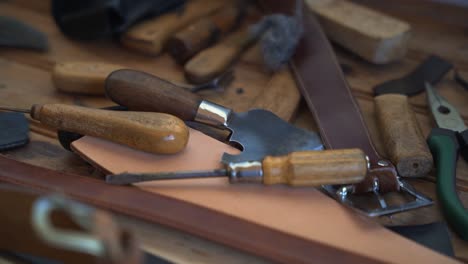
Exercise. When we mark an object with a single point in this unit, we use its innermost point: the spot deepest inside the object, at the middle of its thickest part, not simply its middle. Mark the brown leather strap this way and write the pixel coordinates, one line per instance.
(232, 231)
(329, 98)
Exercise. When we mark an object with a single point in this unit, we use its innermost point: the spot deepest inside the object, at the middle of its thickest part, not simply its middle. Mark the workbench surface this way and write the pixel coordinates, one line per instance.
(25, 80)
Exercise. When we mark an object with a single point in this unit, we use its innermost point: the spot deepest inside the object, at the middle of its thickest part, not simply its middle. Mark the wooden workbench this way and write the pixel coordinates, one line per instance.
(25, 79)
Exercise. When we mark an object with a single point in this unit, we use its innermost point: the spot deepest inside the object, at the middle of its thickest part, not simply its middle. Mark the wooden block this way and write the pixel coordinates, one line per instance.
(372, 35)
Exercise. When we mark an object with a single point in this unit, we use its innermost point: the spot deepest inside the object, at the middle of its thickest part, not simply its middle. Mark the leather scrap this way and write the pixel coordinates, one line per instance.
(432, 70)
(14, 130)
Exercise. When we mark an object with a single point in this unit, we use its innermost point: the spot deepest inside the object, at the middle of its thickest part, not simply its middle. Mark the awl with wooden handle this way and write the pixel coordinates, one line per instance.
(306, 168)
(151, 132)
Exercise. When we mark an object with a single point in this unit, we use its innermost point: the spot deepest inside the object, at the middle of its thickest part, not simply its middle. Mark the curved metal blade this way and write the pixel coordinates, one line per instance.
(261, 133)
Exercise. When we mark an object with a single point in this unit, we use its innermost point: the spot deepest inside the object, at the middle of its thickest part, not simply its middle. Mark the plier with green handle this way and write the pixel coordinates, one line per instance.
(446, 142)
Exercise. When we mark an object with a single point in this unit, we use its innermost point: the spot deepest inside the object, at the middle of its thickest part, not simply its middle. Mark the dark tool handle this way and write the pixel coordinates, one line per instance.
(463, 140)
(444, 146)
(402, 137)
(139, 91)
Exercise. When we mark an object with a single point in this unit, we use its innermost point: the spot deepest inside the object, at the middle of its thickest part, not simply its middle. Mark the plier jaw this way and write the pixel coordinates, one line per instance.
(445, 143)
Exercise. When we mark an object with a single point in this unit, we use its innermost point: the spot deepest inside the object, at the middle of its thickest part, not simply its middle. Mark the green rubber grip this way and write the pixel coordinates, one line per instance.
(444, 147)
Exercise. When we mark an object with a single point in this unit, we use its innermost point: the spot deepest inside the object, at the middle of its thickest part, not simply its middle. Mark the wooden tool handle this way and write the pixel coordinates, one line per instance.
(150, 36)
(151, 132)
(402, 137)
(82, 77)
(213, 61)
(140, 91)
(314, 168)
(206, 31)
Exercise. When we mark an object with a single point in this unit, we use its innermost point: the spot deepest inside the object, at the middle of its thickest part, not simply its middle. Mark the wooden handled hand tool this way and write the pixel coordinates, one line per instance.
(213, 61)
(258, 132)
(374, 36)
(206, 31)
(307, 168)
(151, 132)
(405, 144)
(82, 77)
(150, 36)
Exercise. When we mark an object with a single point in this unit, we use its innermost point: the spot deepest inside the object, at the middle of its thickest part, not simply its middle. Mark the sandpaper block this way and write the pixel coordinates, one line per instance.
(14, 129)
(374, 36)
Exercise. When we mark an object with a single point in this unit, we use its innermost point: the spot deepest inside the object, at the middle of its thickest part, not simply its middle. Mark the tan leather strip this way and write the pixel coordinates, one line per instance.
(329, 98)
(222, 228)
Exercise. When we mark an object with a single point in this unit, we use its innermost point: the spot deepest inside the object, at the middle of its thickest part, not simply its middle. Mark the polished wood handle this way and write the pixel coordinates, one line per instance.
(150, 36)
(212, 62)
(402, 137)
(82, 77)
(140, 91)
(203, 33)
(314, 168)
(151, 132)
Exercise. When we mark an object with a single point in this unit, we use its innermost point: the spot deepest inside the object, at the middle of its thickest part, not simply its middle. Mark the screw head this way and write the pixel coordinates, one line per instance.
(383, 163)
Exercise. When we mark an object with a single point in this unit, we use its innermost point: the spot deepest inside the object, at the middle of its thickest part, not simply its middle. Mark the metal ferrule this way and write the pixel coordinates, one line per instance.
(212, 114)
(247, 171)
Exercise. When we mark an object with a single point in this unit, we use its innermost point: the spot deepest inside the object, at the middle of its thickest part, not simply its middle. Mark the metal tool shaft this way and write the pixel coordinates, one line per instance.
(128, 178)
(13, 109)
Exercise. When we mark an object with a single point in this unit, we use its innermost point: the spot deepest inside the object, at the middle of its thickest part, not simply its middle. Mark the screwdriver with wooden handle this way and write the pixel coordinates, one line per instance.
(151, 132)
(304, 168)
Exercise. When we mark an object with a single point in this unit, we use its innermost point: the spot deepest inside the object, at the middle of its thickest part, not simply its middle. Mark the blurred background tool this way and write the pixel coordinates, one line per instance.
(374, 36)
(307, 168)
(88, 20)
(82, 77)
(431, 70)
(17, 34)
(151, 132)
(278, 35)
(88, 78)
(446, 142)
(257, 132)
(206, 31)
(404, 142)
(62, 230)
(150, 36)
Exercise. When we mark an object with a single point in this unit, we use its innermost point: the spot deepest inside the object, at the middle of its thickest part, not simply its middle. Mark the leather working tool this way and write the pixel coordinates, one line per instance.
(445, 142)
(432, 70)
(89, 78)
(257, 132)
(278, 35)
(151, 36)
(82, 77)
(89, 20)
(374, 36)
(281, 223)
(151, 132)
(306, 168)
(14, 131)
(16, 34)
(458, 78)
(404, 142)
(63, 230)
(204, 32)
(315, 55)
